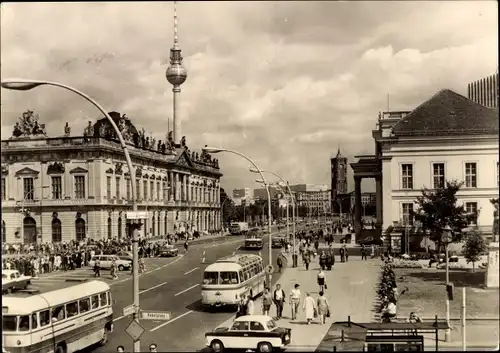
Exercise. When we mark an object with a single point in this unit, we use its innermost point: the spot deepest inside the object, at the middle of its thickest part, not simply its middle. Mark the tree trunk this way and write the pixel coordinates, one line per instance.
(473, 266)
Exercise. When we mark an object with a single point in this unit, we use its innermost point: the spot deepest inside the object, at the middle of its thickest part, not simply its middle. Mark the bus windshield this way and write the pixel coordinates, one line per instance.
(9, 323)
(225, 277)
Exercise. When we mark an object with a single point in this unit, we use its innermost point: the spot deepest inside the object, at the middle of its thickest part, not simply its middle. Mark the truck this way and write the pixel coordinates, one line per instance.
(238, 228)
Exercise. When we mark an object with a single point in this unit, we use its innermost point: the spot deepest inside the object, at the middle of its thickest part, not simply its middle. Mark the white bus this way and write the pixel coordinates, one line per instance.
(229, 279)
(238, 228)
(61, 321)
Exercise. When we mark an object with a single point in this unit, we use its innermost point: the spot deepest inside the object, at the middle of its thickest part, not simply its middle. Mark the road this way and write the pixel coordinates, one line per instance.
(168, 284)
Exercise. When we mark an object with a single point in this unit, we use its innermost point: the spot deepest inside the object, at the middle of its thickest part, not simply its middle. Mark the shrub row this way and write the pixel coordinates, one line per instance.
(398, 263)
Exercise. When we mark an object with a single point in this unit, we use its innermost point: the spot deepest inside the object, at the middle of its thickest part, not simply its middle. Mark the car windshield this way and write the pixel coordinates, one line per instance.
(271, 325)
(9, 323)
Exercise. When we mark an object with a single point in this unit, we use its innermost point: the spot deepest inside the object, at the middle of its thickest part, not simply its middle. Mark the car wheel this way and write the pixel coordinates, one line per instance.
(217, 346)
(121, 268)
(265, 347)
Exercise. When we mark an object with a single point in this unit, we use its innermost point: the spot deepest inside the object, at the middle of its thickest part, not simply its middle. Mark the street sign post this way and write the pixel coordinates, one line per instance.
(155, 315)
(269, 269)
(128, 310)
(137, 214)
(135, 330)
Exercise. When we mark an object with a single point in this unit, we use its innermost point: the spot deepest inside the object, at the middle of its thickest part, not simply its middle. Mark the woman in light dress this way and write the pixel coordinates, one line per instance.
(309, 307)
(323, 307)
(250, 306)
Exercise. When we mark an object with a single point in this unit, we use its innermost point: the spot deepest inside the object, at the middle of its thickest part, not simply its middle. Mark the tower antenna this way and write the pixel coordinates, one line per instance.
(388, 102)
(176, 39)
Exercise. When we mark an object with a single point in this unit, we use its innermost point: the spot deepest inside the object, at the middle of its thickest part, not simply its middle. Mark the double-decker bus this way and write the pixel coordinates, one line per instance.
(61, 321)
(231, 278)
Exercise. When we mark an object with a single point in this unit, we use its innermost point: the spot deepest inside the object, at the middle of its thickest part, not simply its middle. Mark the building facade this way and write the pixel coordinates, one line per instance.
(484, 91)
(312, 199)
(74, 188)
(448, 137)
(338, 181)
(243, 196)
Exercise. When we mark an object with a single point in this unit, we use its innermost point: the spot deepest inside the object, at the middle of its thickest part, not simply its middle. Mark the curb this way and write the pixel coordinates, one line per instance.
(479, 318)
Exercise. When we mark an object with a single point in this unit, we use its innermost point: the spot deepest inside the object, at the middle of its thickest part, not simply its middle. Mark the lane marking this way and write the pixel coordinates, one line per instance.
(168, 322)
(185, 290)
(154, 287)
(188, 272)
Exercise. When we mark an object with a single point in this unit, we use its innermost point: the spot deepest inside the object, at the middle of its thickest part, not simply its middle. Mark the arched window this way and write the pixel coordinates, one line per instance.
(29, 230)
(109, 228)
(4, 233)
(119, 227)
(56, 231)
(80, 229)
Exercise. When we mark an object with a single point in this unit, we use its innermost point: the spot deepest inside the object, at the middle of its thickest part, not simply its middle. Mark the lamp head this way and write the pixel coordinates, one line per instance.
(212, 149)
(260, 181)
(21, 84)
(447, 229)
(253, 170)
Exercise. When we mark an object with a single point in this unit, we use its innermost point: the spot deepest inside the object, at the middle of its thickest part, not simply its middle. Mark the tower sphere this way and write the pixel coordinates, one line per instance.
(176, 74)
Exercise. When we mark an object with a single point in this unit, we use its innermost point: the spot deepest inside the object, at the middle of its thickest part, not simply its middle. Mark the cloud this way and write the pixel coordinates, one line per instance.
(286, 83)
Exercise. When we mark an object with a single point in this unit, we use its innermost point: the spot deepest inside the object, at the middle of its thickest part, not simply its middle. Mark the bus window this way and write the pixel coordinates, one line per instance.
(44, 317)
(24, 323)
(95, 302)
(242, 279)
(228, 277)
(58, 313)
(9, 323)
(247, 274)
(109, 298)
(104, 299)
(210, 277)
(72, 309)
(84, 305)
(34, 321)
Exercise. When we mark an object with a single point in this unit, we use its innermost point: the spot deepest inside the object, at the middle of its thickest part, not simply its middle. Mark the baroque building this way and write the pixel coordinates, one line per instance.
(78, 187)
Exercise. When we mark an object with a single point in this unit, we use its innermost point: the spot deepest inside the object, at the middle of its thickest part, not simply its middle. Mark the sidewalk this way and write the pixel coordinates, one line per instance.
(350, 292)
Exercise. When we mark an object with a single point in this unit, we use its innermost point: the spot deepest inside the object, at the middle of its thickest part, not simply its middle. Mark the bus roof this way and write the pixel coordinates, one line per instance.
(26, 305)
(240, 259)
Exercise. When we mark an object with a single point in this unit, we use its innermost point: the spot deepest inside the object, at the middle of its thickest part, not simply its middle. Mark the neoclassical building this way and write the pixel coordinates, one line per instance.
(77, 187)
(447, 137)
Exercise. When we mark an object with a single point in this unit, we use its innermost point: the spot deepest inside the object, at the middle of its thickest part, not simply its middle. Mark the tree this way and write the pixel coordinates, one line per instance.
(474, 247)
(438, 208)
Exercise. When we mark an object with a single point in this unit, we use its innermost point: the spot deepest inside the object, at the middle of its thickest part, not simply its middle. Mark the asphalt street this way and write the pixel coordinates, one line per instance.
(168, 284)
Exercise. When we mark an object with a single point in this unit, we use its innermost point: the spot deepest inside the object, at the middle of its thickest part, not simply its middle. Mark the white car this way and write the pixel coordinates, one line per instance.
(106, 261)
(250, 332)
(14, 280)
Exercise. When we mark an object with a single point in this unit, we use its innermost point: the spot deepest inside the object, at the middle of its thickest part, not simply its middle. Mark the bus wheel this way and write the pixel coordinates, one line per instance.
(217, 346)
(104, 338)
(61, 348)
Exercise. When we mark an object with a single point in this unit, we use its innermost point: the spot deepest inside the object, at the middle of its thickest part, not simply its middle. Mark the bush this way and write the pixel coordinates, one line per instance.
(406, 264)
(451, 266)
(420, 256)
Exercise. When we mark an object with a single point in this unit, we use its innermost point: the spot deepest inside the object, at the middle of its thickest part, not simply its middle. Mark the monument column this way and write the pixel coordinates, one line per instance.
(357, 206)
(378, 189)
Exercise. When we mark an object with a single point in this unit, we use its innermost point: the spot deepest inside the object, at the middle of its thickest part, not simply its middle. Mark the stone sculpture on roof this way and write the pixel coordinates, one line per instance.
(28, 125)
(89, 130)
(67, 130)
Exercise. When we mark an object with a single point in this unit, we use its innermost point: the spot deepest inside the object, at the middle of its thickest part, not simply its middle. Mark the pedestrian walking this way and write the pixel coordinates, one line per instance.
(97, 268)
(267, 301)
(363, 253)
(250, 306)
(323, 307)
(295, 300)
(307, 259)
(346, 253)
(321, 281)
(114, 270)
(186, 245)
(310, 308)
(279, 262)
(279, 300)
(342, 254)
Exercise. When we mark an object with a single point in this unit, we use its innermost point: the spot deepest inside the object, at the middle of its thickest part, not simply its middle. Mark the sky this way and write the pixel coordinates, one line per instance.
(286, 83)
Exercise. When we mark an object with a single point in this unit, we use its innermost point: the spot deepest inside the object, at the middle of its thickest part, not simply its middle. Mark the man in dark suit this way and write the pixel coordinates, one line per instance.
(279, 300)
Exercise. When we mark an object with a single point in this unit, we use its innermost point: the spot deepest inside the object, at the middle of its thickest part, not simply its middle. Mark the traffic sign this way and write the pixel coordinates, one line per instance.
(128, 310)
(135, 330)
(137, 214)
(269, 269)
(155, 315)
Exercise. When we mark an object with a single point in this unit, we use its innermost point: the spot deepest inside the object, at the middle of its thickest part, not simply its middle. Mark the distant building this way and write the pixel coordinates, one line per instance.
(312, 199)
(338, 181)
(245, 193)
(484, 91)
(261, 194)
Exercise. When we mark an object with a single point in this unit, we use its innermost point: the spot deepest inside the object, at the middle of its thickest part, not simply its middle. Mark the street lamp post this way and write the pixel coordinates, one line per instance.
(446, 238)
(218, 150)
(294, 203)
(25, 85)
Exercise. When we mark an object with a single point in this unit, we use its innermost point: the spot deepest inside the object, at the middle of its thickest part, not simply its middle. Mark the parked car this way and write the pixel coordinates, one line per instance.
(277, 242)
(371, 241)
(258, 332)
(107, 260)
(168, 250)
(14, 280)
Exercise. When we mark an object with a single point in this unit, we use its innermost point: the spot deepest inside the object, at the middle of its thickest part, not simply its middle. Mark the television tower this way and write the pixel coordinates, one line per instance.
(176, 74)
